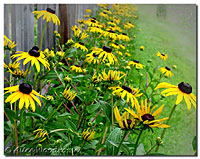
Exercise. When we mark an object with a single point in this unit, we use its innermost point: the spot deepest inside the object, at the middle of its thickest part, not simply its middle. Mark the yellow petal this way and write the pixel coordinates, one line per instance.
(187, 100)
(179, 98)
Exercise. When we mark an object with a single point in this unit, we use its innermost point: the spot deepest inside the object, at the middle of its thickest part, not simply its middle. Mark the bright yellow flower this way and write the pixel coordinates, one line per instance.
(112, 75)
(88, 135)
(162, 56)
(40, 134)
(166, 71)
(88, 10)
(77, 68)
(8, 43)
(136, 63)
(81, 46)
(68, 94)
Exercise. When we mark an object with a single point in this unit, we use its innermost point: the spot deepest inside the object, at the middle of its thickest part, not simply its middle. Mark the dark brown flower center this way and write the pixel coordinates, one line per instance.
(128, 89)
(50, 10)
(35, 48)
(148, 117)
(81, 43)
(128, 122)
(167, 68)
(107, 49)
(111, 31)
(104, 13)
(124, 34)
(25, 88)
(77, 66)
(162, 54)
(116, 44)
(34, 52)
(95, 55)
(111, 21)
(93, 21)
(136, 61)
(185, 87)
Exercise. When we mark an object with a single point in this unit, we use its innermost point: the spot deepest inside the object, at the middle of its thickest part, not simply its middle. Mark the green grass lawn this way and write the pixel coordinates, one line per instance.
(169, 37)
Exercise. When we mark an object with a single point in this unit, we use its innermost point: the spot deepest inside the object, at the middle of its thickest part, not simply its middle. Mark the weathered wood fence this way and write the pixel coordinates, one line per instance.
(19, 23)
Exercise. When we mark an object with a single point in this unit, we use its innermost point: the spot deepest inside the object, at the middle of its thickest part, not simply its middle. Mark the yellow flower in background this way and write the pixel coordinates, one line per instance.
(111, 34)
(12, 66)
(67, 78)
(77, 68)
(81, 46)
(119, 53)
(95, 29)
(136, 63)
(40, 134)
(129, 92)
(162, 56)
(49, 15)
(103, 5)
(88, 10)
(174, 66)
(142, 48)
(88, 135)
(96, 79)
(103, 14)
(166, 71)
(76, 30)
(25, 93)
(19, 73)
(83, 35)
(57, 34)
(115, 45)
(124, 37)
(146, 115)
(92, 58)
(50, 98)
(126, 121)
(34, 56)
(68, 94)
(112, 75)
(122, 46)
(183, 90)
(60, 53)
(93, 23)
(48, 53)
(86, 16)
(8, 43)
(70, 42)
(111, 23)
(107, 11)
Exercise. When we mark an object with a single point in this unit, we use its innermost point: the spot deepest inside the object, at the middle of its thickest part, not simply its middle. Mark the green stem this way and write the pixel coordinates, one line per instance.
(122, 140)
(112, 111)
(163, 132)
(151, 149)
(59, 77)
(138, 138)
(41, 40)
(21, 122)
(26, 78)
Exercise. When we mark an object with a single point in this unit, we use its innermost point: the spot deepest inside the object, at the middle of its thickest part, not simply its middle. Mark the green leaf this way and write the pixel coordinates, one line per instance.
(140, 150)
(113, 141)
(106, 109)
(125, 149)
(92, 108)
(194, 144)
(35, 115)
(11, 115)
(156, 154)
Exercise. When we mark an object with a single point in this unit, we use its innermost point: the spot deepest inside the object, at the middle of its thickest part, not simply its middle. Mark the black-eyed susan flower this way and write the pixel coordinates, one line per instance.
(69, 94)
(115, 45)
(12, 66)
(34, 55)
(129, 92)
(122, 46)
(123, 37)
(166, 71)
(174, 66)
(41, 134)
(77, 30)
(95, 29)
(60, 53)
(83, 35)
(136, 64)
(112, 75)
(107, 11)
(183, 90)
(146, 115)
(67, 78)
(25, 94)
(111, 23)
(106, 53)
(103, 5)
(93, 23)
(48, 53)
(49, 15)
(88, 10)
(8, 44)
(19, 73)
(88, 135)
(92, 58)
(142, 48)
(119, 53)
(96, 79)
(111, 34)
(56, 34)
(69, 42)
(77, 68)
(50, 98)
(126, 121)
(103, 14)
(81, 46)
(162, 56)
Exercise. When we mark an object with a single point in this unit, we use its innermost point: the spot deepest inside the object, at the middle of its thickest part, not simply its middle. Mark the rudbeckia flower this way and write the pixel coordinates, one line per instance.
(40, 134)
(34, 55)
(67, 78)
(111, 23)
(81, 46)
(48, 53)
(105, 53)
(83, 35)
(25, 93)
(8, 43)
(182, 90)
(77, 68)
(68, 94)
(60, 53)
(136, 63)
(162, 56)
(96, 79)
(146, 115)
(77, 30)
(88, 10)
(88, 135)
(166, 71)
(142, 48)
(122, 46)
(130, 93)
(126, 121)
(12, 66)
(94, 29)
(123, 37)
(112, 75)
(19, 73)
(104, 14)
(92, 57)
(93, 23)
(49, 15)
(111, 34)
(115, 45)
(107, 11)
